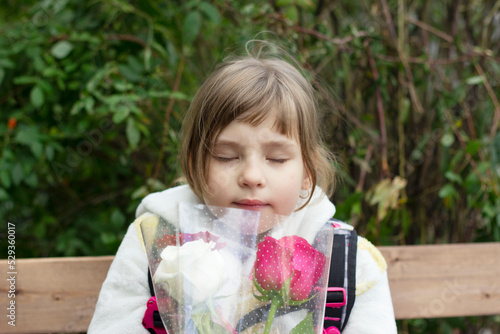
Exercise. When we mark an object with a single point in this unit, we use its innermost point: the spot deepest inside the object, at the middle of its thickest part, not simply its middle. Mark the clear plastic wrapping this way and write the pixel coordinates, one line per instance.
(213, 272)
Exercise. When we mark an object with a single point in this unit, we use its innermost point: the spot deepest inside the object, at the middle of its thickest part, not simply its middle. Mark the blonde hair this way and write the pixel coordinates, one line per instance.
(251, 89)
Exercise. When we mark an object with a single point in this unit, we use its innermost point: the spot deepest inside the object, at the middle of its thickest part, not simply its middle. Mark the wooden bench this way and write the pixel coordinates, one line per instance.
(58, 295)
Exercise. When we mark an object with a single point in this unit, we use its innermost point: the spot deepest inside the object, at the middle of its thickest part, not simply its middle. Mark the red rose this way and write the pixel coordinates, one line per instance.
(273, 265)
(278, 260)
(308, 266)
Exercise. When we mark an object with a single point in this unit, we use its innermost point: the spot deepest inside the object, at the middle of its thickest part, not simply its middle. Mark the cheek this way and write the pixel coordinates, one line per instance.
(289, 194)
(218, 179)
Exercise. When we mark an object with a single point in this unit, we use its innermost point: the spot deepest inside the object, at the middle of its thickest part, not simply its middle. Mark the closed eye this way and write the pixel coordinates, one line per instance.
(225, 159)
(278, 161)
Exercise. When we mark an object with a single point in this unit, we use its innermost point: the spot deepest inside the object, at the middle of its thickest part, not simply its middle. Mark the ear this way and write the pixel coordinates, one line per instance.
(306, 182)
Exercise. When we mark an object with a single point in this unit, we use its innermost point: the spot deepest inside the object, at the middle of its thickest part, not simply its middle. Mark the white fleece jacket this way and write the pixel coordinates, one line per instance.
(122, 300)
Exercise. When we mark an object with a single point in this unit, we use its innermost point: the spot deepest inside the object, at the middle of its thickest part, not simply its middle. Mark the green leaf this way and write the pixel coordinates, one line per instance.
(168, 94)
(7, 63)
(25, 80)
(5, 178)
(17, 174)
(2, 75)
(292, 14)
(453, 177)
(306, 326)
(32, 180)
(305, 3)
(37, 97)
(77, 107)
(61, 49)
(121, 113)
(129, 73)
(36, 148)
(257, 285)
(191, 27)
(263, 298)
(122, 86)
(488, 210)
(3, 195)
(473, 146)
(210, 11)
(483, 166)
(107, 238)
(448, 190)
(300, 302)
(89, 104)
(135, 65)
(474, 80)
(404, 109)
(117, 218)
(447, 140)
(49, 152)
(204, 324)
(27, 135)
(140, 192)
(133, 134)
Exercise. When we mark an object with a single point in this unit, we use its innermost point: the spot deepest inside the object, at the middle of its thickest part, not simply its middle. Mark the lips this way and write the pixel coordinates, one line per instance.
(251, 204)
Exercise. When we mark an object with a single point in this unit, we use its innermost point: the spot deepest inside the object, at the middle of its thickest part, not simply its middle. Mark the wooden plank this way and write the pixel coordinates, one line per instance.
(444, 280)
(54, 295)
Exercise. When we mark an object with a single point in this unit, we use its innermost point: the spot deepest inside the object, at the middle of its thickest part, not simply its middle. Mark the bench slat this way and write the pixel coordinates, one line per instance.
(435, 281)
(59, 294)
(55, 295)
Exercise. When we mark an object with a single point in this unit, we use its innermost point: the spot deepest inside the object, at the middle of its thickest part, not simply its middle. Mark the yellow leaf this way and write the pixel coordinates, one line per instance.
(386, 195)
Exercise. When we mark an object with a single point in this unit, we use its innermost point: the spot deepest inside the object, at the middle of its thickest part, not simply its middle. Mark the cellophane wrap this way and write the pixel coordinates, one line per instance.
(215, 271)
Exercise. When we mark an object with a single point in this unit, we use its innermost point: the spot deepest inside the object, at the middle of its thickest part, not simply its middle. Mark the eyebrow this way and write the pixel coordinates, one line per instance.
(268, 144)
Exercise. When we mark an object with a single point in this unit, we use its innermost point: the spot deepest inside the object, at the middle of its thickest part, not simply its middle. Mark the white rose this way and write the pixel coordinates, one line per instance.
(192, 273)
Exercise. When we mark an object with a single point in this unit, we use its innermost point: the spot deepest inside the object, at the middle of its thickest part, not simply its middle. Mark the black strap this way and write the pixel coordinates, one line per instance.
(157, 322)
(351, 275)
(150, 282)
(337, 279)
(260, 314)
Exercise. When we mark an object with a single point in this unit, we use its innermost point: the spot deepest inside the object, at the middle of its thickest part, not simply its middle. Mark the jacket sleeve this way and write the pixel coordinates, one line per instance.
(372, 312)
(125, 291)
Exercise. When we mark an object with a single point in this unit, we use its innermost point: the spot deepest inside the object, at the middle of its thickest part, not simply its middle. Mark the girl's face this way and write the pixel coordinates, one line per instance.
(256, 168)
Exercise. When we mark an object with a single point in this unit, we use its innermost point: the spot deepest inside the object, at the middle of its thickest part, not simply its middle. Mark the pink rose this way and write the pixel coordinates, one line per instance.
(308, 266)
(278, 260)
(273, 265)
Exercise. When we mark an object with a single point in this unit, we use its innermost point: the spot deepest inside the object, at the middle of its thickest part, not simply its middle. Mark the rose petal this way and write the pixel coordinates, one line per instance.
(273, 265)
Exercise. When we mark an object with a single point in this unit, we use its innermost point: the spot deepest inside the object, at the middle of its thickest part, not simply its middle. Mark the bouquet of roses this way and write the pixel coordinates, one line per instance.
(213, 273)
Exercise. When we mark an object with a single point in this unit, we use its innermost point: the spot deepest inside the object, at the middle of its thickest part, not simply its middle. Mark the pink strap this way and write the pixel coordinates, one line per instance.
(331, 330)
(147, 321)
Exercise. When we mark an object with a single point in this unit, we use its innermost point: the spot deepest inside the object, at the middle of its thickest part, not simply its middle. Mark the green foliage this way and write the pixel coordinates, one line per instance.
(93, 95)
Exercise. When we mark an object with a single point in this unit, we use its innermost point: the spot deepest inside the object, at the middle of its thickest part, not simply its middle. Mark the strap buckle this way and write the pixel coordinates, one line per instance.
(335, 304)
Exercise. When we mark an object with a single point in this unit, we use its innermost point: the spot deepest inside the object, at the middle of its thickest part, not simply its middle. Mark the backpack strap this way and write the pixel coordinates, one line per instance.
(342, 281)
(152, 320)
(150, 283)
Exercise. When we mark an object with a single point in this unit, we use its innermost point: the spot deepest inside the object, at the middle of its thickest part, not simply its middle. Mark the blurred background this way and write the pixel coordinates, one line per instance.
(92, 96)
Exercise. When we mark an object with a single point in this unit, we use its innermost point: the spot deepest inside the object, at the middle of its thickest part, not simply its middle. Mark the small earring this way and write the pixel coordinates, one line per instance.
(302, 194)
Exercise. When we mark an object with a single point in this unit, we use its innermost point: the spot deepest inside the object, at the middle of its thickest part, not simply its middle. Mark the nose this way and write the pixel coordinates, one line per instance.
(252, 175)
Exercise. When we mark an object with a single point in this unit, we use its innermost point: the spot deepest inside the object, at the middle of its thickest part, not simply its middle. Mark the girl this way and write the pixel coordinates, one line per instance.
(250, 141)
